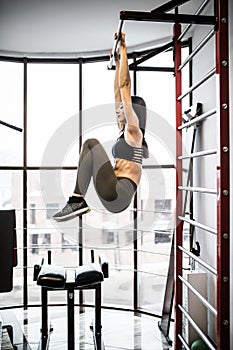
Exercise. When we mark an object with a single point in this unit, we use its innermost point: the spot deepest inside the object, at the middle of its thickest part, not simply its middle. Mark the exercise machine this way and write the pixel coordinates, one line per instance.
(52, 277)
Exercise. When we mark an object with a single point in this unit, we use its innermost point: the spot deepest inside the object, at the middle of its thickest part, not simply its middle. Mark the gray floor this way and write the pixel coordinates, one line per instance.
(120, 329)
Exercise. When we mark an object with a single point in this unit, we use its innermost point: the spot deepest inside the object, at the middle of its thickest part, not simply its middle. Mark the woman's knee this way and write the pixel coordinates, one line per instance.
(90, 143)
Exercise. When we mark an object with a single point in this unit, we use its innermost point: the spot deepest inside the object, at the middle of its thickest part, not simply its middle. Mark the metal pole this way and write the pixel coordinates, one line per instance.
(25, 198)
(118, 36)
(199, 296)
(199, 154)
(169, 6)
(197, 119)
(136, 283)
(152, 54)
(167, 17)
(80, 238)
(197, 189)
(198, 48)
(179, 223)
(183, 342)
(201, 226)
(70, 318)
(198, 83)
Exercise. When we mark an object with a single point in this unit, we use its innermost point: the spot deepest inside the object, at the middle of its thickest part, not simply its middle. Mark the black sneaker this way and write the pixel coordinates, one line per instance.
(75, 206)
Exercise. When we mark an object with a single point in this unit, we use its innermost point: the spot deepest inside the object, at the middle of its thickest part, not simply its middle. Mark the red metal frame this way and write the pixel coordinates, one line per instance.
(179, 224)
(223, 223)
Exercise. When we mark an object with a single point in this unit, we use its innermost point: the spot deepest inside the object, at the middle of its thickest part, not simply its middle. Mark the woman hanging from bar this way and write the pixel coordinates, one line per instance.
(116, 185)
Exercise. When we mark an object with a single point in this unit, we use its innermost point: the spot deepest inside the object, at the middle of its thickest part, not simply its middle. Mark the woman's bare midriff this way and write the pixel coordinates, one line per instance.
(129, 169)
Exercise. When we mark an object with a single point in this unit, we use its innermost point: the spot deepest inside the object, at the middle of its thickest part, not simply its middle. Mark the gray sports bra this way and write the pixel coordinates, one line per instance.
(123, 150)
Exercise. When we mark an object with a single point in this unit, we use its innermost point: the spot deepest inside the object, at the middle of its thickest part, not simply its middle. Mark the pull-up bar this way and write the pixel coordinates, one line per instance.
(11, 126)
(159, 15)
(167, 17)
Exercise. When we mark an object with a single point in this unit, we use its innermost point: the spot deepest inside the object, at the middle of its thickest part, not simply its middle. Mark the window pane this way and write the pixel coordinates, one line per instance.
(43, 233)
(53, 120)
(11, 112)
(158, 91)
(11, 194)
(98, 84)
(111, 235)
(156, 205)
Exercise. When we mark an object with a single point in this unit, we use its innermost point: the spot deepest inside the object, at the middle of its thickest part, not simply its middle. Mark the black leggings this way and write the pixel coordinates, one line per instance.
(114, 193)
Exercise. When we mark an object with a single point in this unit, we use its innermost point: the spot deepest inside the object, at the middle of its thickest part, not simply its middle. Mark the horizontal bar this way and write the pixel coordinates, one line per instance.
(200, 261)
(183, 342)
(153, 69)
(11, 126)
(197, 48)
(199, 10)
(197, 189)
(6, 167)
(198, 119)
(169, 6)
(167, 17)
(118, 36)
(198, 83)
(198, 295)
(197, 224)
(198, 154)
(197, 329)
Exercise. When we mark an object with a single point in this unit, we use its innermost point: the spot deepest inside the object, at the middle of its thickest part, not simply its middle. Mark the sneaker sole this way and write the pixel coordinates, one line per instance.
(72, 215)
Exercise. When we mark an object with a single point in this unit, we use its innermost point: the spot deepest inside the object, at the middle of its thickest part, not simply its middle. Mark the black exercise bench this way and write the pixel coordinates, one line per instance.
(51, 277)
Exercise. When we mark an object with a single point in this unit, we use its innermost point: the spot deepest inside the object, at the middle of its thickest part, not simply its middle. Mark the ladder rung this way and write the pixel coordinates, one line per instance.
(198, 83)
(198, 295)
(200, 261)
(197, 189)
(198, 48)
(197, 224)
(198, 154)
(183, 342)
(198, 119)
(197, 329)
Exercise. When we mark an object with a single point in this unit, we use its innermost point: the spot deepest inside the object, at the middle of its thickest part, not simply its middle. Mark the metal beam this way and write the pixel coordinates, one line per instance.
(153, 69)
(166, 17)
(169, 6)
(152, 54)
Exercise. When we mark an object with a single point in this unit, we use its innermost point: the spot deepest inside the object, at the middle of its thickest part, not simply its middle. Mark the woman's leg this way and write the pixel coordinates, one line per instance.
(114, 194)
(94, 162)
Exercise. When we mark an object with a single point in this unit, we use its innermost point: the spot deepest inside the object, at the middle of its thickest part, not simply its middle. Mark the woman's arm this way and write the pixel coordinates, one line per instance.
(118, 102)
(125, 90)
